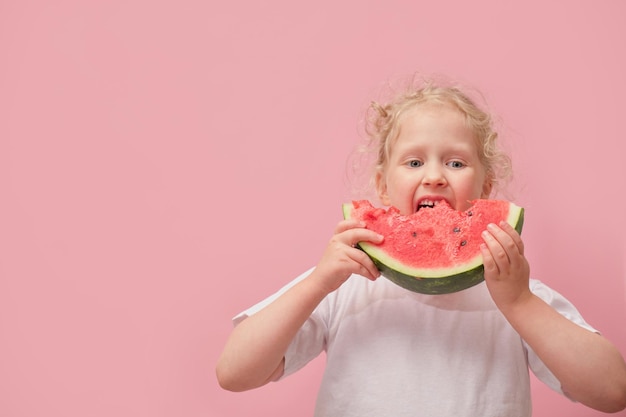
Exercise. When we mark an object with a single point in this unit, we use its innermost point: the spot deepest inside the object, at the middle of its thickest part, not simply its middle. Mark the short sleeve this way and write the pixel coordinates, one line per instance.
(308, 343)
(269, 300)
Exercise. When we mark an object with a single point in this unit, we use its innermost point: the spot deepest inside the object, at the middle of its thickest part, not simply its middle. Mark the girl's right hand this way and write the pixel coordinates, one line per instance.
(341, 257)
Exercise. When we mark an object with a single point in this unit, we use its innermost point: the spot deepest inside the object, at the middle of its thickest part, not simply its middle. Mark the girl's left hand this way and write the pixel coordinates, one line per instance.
(506, 269)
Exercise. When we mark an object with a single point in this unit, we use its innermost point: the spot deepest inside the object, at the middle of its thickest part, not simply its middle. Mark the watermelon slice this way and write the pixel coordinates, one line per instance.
(435, 250)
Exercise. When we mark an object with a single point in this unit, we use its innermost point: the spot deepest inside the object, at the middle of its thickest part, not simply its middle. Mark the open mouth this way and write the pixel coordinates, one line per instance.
(428, 203)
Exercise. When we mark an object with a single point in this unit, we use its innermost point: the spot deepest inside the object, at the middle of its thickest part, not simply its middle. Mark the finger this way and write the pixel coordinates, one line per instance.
(510, 241)
(367, 267)
(353, 236)
(507, 236)
(491, 268)
(514, 235)
(497, 251)
(344, 225)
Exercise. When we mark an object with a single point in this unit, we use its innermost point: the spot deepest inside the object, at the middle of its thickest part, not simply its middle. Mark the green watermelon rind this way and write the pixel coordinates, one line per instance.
(433, 281)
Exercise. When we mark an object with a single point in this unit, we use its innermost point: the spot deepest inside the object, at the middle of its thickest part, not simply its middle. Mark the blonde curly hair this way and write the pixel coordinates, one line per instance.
(382, 124)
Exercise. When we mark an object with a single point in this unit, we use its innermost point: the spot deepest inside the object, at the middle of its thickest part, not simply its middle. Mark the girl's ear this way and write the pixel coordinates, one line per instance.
(381, 188)
(487, 187)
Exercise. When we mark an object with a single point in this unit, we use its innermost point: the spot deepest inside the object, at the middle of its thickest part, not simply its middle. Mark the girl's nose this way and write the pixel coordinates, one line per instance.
(434, 176)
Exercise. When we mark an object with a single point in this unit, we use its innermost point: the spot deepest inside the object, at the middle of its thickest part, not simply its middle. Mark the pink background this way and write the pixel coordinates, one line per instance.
(164, 165)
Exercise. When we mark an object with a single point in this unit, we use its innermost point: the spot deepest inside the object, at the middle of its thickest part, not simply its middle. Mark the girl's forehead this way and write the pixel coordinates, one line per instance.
(431, 107)
(434, 121)
(433, 115)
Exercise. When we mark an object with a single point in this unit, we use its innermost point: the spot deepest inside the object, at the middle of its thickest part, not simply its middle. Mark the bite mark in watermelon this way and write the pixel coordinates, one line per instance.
(435, 250)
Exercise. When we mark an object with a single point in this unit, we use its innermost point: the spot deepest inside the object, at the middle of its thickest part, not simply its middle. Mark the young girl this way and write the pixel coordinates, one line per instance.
(392, 352)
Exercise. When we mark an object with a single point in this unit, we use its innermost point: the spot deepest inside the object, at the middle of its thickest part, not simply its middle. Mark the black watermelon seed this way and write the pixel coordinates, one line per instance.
(414, 234)
(456, 230)
(469, 213)
(464, 242)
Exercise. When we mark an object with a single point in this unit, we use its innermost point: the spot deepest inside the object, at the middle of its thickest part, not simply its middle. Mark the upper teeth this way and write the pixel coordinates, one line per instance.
(427, 203)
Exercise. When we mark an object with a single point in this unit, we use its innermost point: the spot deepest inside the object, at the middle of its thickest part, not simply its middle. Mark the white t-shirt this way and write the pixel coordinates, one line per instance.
(393, 352)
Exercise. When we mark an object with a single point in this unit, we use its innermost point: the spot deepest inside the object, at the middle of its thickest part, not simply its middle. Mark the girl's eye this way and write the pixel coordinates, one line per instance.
(415, 163)
(456, 164)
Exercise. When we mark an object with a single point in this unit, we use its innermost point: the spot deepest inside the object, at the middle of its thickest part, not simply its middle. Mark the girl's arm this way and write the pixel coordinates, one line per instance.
(590, 369)
(254, 352)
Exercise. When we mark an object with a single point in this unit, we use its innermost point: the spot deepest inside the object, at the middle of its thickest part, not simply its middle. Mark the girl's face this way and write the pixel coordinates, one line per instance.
(433, 158)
